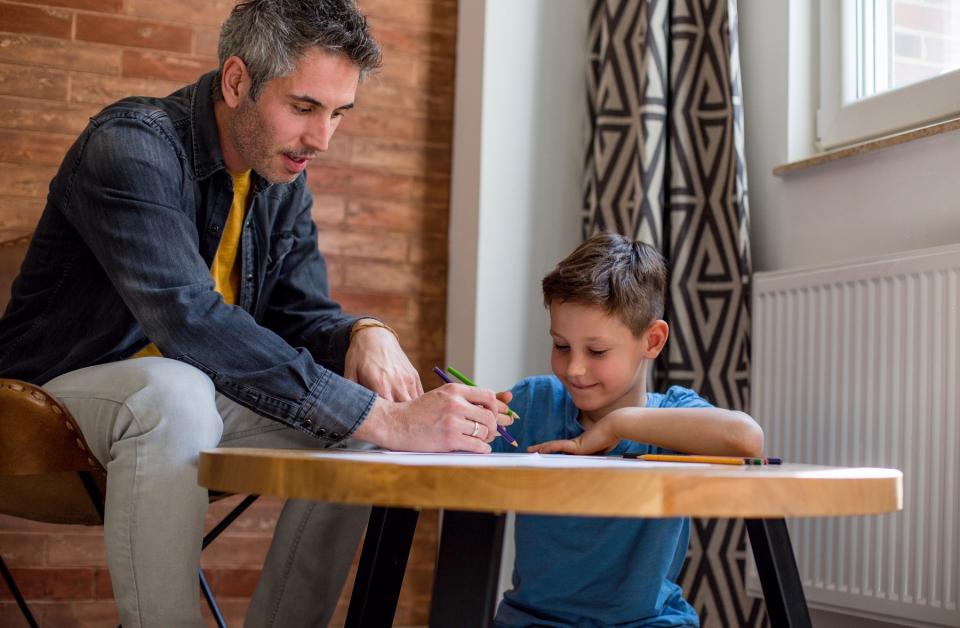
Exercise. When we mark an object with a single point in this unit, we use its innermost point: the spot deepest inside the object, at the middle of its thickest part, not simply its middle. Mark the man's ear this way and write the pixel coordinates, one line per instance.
(234, 81)
(655, 337)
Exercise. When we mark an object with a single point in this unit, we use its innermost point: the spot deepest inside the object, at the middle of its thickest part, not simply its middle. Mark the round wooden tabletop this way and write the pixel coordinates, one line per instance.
(562, 485)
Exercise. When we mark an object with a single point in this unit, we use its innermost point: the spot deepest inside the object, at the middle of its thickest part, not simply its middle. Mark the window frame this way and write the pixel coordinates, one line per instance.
(843, 120)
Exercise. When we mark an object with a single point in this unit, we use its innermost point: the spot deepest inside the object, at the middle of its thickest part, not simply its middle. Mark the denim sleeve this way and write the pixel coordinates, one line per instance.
(300, 308)
(128, 198)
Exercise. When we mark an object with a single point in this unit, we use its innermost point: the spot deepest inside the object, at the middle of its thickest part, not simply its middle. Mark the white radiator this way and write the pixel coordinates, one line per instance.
(859, 365)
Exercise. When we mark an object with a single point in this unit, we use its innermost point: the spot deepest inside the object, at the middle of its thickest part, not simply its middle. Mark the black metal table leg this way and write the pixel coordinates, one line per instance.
(779, 576)
(383, 560)
(468, 568)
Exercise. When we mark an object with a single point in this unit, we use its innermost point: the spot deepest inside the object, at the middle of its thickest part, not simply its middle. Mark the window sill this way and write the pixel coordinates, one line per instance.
(868, 146)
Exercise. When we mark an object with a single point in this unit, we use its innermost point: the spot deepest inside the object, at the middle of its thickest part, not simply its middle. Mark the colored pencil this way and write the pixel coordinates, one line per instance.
(688, 458)
(503, 431)
(466, 380)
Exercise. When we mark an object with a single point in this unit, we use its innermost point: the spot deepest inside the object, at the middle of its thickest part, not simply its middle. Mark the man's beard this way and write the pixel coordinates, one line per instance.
(247, 129)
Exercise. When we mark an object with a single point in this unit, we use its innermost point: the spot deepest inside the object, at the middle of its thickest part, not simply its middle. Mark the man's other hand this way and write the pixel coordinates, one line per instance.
(376, 361)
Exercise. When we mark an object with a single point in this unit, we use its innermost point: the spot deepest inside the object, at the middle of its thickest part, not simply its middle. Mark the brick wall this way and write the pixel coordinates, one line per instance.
(381, 203)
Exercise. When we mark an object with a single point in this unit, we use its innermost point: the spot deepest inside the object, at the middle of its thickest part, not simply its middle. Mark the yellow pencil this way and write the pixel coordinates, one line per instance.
(686, 458)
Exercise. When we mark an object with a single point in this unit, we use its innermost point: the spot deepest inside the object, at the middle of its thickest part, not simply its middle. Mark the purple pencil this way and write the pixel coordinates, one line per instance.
(503, 431)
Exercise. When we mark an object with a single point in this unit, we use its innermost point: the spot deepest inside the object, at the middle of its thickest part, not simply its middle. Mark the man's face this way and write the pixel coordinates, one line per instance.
(294, 116)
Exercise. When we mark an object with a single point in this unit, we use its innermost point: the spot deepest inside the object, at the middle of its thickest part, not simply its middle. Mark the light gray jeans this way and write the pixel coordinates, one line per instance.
(146, 420)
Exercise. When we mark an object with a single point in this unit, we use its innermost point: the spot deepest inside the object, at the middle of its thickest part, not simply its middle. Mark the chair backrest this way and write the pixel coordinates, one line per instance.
(42, 456)
(12, 252)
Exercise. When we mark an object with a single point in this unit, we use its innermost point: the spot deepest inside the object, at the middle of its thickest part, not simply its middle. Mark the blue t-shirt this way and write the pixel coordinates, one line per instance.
(592, 571)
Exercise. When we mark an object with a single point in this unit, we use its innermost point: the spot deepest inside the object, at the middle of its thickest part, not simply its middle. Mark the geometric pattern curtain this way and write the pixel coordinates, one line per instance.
(665, 164)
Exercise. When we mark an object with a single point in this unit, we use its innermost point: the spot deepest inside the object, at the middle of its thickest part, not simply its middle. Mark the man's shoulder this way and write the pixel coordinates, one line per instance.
(167, 115)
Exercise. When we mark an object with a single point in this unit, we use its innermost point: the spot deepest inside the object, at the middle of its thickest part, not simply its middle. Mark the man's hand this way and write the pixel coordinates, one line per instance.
(376, 361)
(453, 417)
(600, 437)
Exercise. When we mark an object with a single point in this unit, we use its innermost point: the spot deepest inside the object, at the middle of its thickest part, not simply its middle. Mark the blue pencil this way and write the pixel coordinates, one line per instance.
(503, 431)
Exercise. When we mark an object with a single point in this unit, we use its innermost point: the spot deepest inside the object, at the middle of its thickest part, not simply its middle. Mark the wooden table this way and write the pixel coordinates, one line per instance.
(475, 491)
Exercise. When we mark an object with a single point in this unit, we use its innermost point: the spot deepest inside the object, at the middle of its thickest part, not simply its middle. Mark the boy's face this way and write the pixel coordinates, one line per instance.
(598, 359)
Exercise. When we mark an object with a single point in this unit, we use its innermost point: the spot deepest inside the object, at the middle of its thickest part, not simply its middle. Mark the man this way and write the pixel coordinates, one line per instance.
(180, 227)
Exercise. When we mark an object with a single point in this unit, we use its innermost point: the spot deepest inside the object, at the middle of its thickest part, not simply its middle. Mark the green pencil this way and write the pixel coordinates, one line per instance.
(466, 380)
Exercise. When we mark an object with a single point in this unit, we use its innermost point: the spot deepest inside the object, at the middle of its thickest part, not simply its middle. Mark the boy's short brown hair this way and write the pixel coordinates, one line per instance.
(625, 277)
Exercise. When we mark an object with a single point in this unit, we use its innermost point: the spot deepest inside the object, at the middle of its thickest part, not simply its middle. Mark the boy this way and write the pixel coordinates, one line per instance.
(606, 303)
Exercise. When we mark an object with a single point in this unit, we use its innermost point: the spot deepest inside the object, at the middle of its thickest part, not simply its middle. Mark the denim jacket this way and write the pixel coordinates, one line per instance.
(122, 254)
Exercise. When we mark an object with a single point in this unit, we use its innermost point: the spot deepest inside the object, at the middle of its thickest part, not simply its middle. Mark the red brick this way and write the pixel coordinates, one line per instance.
(436, 104)
(59, 53)
(236, 551)
(33, 147)
(19, 215)
(388, 307)
(400, 156)
(23, 549)
(425, 249)
(421, 15)
(351, 180)
(400, 216)
(205, 12)
(423, 43)
(32, 82)
(234, 582)
(205, 42)
(161, 65)
(26, 180)
(76, 550)
(18, 18)
(33, 115)
(396, 278)
(129, 32)
(52, 584)
(103, 6)
(81, 614)
(378, 246)
(434, 73)
(260, 518)
(102, 586)
(328, 209)
(103, 90)
(369, 121)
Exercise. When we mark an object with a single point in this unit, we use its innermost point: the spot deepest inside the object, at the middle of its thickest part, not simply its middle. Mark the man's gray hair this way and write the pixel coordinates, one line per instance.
(271, 36)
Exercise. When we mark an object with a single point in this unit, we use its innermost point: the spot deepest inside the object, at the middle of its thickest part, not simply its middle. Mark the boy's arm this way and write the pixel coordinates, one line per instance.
(712, 431)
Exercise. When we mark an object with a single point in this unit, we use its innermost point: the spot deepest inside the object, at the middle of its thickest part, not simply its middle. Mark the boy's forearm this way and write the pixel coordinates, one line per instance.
(691, 430)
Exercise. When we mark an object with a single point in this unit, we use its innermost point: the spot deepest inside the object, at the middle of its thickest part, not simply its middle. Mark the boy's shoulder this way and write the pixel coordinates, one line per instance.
(540, 392)
(677, 397)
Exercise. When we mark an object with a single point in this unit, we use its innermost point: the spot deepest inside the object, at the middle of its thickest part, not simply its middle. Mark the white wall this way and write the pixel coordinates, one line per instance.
(896, 199)
(517, 163)
(519, 121)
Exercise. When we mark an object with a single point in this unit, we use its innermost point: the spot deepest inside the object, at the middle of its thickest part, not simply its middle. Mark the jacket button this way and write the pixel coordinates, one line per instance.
(250, 277)
(307, 423)
(322, 432)
(214, 229)
(335, 435)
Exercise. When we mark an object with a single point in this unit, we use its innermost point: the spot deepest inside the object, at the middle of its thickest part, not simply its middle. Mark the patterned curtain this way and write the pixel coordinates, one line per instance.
(665, 164)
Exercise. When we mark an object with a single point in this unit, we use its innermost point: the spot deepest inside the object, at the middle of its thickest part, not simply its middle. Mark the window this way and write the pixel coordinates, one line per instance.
(886, 66)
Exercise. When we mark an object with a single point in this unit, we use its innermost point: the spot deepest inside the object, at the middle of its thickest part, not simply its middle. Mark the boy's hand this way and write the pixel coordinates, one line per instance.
(600, 437)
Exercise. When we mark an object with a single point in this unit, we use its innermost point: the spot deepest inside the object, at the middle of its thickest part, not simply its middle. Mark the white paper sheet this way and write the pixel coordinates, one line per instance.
(509, 460)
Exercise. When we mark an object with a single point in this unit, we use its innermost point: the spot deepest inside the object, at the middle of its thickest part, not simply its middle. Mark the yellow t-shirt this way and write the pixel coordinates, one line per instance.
(226, 263)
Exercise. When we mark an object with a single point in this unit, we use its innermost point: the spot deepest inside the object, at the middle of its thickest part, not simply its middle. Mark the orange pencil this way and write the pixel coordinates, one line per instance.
(686, 458)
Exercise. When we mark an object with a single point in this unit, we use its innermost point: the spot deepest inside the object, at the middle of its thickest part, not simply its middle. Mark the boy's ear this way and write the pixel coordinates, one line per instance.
(655, 337)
